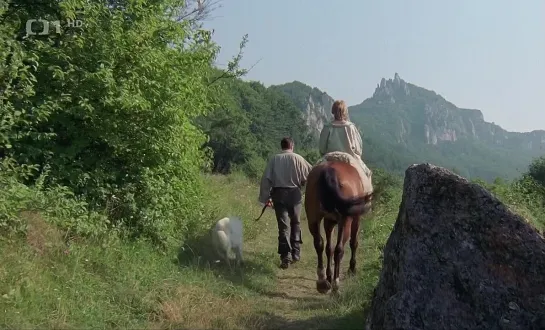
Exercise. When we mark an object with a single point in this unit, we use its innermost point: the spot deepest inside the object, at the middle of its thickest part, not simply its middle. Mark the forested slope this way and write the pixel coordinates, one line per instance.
(246, 127)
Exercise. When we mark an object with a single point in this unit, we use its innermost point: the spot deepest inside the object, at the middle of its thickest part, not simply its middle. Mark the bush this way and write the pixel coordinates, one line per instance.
(56, 204)
(108, 109)
(254, 168)
(536, 170)
(386, 187)
(524, 196)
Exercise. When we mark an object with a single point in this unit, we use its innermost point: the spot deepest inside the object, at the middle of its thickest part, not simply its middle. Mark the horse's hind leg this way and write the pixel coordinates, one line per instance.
(354, 244)
(342, 237)
(329, 224)
(314, 226)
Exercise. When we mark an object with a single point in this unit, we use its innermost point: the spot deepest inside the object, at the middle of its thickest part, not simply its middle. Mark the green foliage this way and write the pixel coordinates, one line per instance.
(130, 285)
(299, 93)
(56, 204)
(386, 187)
(536, 170)
(311, 155)
(247, 126)
(108, 108)
(525, 196)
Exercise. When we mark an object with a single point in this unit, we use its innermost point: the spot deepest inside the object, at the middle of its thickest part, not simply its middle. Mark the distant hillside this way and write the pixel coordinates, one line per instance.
(316, 105)
(404, 124)
(248, 124)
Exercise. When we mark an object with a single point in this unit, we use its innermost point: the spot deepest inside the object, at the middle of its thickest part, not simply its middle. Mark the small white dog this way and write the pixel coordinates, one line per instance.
(227, 237)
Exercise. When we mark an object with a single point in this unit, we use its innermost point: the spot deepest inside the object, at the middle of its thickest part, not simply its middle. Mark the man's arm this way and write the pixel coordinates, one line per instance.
(266, 182)
(304, 167)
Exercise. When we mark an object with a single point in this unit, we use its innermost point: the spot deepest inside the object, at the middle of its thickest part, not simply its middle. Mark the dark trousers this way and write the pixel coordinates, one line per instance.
(287, 206)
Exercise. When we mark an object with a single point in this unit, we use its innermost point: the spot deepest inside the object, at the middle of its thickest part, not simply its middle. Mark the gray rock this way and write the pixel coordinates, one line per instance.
(457, 258)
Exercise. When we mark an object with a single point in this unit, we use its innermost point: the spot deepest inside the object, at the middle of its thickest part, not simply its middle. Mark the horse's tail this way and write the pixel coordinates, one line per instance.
(331, 199)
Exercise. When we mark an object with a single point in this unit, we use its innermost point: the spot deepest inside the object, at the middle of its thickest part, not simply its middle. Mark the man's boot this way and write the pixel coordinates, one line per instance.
(285, 262)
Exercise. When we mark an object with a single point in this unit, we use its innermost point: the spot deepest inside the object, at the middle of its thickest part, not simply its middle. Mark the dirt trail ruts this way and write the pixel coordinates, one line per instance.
(295, 303)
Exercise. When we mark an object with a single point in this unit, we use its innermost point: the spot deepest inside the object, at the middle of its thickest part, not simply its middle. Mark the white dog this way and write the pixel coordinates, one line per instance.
(227, 237)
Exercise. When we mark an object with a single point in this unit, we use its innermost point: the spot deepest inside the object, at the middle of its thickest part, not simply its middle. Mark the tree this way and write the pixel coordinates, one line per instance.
(536, 170)
(109, 108)
(248, 124)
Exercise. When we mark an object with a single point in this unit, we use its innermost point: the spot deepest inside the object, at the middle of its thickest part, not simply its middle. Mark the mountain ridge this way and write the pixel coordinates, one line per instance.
(480, 112)
(436, 108)
(414, 124)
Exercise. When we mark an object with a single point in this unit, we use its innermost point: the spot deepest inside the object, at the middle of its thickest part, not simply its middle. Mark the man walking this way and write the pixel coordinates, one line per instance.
(281, 182)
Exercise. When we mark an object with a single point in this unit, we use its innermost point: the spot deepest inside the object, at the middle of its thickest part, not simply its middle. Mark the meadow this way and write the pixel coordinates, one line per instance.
(47, 283)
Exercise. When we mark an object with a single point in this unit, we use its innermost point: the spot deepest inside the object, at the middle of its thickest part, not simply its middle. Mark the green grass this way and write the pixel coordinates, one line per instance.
(45, 283)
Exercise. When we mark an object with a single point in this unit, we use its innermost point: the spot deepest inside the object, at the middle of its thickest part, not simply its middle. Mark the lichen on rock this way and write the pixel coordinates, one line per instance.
(458, 258)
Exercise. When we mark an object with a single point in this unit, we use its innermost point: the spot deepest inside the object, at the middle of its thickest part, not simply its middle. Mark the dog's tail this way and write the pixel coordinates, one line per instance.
(332, 200)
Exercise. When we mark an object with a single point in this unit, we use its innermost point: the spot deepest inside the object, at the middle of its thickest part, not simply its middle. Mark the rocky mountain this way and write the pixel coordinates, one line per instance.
(403, 124)
(316, 105)
(442, 120)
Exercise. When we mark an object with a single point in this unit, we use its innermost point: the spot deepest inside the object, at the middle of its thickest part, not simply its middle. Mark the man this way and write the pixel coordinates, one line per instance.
(281, 183)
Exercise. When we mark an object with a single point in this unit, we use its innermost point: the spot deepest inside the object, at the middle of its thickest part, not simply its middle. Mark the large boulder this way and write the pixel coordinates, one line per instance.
(458, 258)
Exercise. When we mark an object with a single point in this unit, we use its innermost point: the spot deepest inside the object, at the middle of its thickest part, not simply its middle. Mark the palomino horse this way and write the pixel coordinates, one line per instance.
(334, 193)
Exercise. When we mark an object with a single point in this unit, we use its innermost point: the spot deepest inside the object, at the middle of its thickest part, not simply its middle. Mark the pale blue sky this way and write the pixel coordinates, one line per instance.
(482, 54)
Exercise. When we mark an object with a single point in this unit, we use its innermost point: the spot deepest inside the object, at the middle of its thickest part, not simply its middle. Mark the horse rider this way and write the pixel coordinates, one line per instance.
(281, 184)
(342, 135)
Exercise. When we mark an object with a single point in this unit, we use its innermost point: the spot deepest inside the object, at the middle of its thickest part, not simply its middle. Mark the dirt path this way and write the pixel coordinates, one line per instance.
(274, 298)
(294, 303)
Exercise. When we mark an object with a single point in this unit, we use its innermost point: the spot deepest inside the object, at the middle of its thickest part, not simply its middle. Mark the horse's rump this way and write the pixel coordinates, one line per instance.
(331, 195)
(336, 193)
(364, 172)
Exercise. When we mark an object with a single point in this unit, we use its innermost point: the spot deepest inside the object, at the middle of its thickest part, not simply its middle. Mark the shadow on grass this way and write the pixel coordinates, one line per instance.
(256, 271)
(271, 321)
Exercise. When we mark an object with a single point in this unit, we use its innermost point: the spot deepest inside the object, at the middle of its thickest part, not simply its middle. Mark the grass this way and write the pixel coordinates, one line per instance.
(47, 284)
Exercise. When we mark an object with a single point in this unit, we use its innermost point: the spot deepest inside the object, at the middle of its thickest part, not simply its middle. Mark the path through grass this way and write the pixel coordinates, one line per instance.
(44, 284)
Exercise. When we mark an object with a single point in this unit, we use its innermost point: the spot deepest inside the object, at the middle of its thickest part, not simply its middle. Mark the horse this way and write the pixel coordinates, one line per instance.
(334, 193)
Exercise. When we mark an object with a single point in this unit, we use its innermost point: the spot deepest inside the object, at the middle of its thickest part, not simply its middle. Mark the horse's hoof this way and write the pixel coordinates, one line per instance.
(335, 286)
(323, 286)
(351, 272)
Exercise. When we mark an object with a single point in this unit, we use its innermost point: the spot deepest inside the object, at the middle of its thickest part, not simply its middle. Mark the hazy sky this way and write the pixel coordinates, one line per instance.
(481, 54)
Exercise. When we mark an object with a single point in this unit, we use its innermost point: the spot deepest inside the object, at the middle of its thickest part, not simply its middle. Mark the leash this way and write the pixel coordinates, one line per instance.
(267, 204)
(262, 211)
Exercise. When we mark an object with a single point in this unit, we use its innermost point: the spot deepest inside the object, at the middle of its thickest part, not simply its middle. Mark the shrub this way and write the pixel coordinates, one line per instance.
(56, 204)
(536, 170)
(108, 110)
